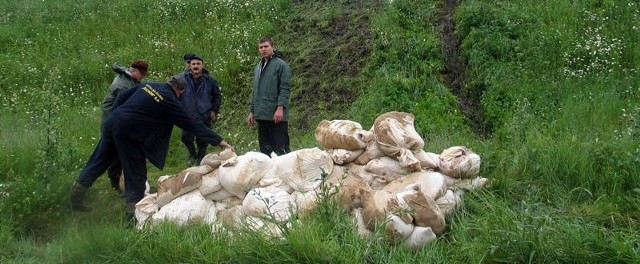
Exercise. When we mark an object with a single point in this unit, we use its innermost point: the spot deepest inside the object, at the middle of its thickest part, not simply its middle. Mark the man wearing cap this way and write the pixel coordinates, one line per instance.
(201, 99)
(139, 129)
(126, 79)
(187, 60)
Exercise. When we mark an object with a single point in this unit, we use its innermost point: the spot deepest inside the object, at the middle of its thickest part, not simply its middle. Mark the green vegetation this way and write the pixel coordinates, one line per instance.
(555, 82)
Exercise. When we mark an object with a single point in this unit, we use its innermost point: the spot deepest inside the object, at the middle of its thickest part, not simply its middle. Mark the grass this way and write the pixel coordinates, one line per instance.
(558, 85)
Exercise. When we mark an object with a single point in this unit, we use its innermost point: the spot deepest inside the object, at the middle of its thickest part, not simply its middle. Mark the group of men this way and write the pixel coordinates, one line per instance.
(139, 117)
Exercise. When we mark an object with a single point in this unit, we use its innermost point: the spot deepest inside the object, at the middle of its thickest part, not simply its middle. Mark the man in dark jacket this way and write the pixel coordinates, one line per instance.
(139, 129)
(126, 79)
(269, 105)
(201, 99)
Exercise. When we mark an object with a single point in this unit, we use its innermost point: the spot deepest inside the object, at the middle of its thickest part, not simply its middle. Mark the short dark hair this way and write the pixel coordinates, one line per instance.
(266, 38)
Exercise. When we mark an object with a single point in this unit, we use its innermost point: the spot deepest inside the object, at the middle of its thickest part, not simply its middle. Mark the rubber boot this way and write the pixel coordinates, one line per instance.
(77, 198)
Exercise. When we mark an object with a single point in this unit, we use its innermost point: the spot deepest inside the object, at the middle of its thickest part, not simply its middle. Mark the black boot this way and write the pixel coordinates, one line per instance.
(77, 198)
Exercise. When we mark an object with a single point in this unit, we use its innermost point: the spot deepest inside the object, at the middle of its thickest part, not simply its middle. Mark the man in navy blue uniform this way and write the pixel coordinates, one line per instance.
(201, 99)
(139, 129)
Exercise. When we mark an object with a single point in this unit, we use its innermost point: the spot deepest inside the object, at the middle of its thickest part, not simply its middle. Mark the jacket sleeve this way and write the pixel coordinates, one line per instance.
(182, 120)
(284, 84)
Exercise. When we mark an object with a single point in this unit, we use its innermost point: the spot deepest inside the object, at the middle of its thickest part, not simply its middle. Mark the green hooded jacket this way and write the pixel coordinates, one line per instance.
(271, 88)
(120, 83)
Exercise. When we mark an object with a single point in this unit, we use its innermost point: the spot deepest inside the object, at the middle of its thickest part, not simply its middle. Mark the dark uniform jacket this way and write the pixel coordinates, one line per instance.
(145, 115)
(201, 100)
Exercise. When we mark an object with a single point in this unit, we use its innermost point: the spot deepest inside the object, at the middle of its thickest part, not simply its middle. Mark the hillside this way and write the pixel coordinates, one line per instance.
(546, 92)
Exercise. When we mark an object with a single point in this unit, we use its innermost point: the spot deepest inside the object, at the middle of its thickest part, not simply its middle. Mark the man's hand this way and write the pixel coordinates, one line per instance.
(279, 114)
(223, 144)
(250, 119)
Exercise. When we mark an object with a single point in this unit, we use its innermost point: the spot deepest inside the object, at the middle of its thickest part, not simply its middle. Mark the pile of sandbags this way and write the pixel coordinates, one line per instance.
(392, 185)
(383, 177)
(227, 190)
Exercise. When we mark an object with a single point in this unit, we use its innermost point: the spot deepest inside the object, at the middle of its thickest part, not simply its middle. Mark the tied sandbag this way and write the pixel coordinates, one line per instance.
(428, 160)
(145, 209)
(372, 151)
(210, 183)
(202, 169)
(397, 230)
(430, 183)
(419, 237)
(424, 210)
(219, 195)
(359, 219)
(190, 206)
(342, 134)
(346, 185)
(397, 137)
(305, 202)
(343, 156)
(215, 159)
(301, 169)
(376, 205)
(449, 202)
(272, 203)
(172, 186)
(242, 173)
(387, 168)
(459, 162)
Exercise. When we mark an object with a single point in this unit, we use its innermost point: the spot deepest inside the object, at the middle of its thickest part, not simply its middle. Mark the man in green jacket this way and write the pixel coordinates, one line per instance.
(269, 105)
(127, 78)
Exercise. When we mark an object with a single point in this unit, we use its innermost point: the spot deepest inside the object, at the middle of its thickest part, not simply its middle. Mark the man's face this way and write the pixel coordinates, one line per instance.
(135, 73)
(266, 50)
(196, 67)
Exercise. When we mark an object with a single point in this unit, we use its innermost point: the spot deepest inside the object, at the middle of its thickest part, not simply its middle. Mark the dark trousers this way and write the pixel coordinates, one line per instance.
(273, 137)
(114, 171)
(106, 153)
(201, 145)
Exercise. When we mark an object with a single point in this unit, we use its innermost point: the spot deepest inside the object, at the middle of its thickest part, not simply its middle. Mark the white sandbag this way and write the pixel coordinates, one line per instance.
(145, 208)
(459, 162)
(449, 201)
(172, 186)
(264, 226)
(271, 203)
(372, 151)
(190, 206)
(431, 183)
(215, 159)
(424, 210)
(202, 169)
(219, 195)
(419, 237)
(428, 160)
(304, 202)
(301, 169)
(386, 167)
(228, 218)
(396, 230)
(376, 205)
(346, 185)
(342, 134)
(266, 181)
(397, 137)
(343, 156)
(210, 183)
(465, 184)
(242, 173)
(361, 172)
